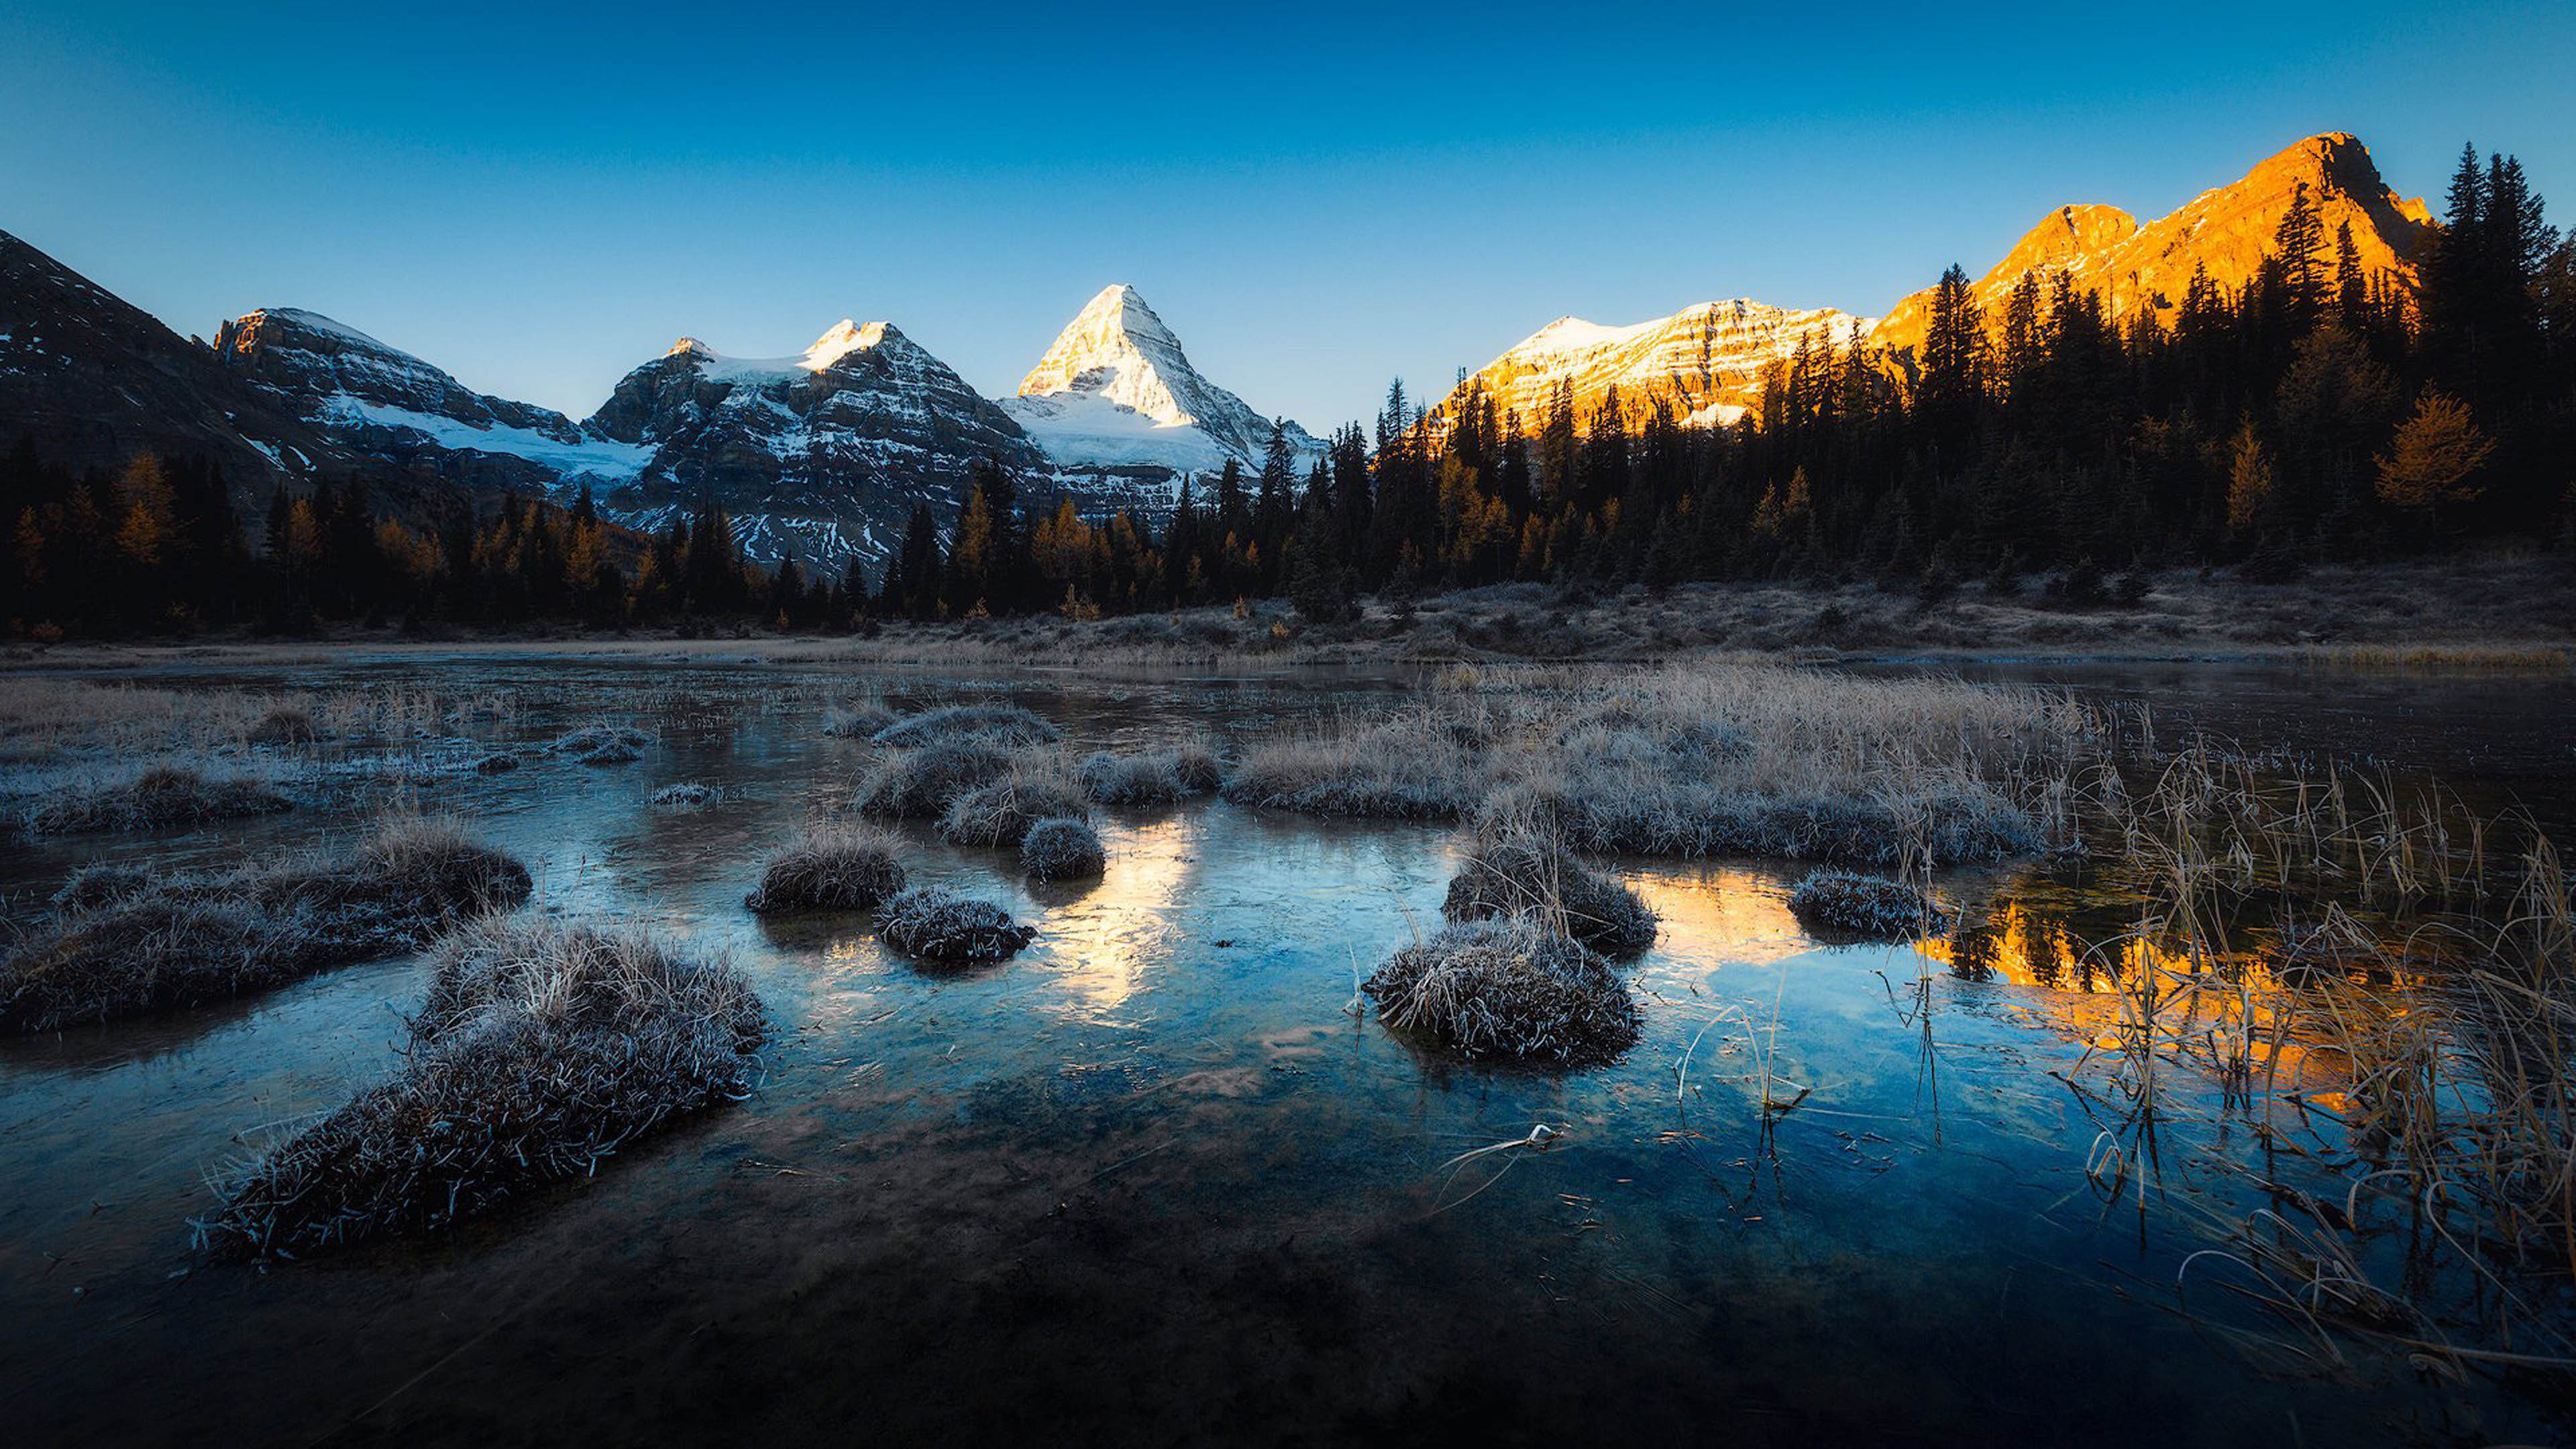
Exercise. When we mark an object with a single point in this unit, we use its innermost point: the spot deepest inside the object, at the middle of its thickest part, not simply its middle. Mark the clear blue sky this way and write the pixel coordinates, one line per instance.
(539, 198)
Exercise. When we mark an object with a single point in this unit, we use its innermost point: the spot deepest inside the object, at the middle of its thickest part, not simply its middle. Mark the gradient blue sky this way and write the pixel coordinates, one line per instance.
(1317, 199)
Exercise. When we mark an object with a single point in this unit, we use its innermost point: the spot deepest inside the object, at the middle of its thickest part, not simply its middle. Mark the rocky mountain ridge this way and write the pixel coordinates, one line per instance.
(822, 456)
(1705, 363)
(2227, 230)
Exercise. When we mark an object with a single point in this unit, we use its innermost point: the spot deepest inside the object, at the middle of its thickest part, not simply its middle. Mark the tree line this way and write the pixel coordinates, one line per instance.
(2315, 414)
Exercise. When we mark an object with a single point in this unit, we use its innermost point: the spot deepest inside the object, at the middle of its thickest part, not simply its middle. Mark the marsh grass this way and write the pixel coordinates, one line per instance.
(161, 797)
(285, 723)
(1705, 759)
(830, 867)
(183, 940)
(2298, 914)
(689, 795)
(540, 1051)
(1007, 724)
(52, 720)
(98, 884)
(939, 925)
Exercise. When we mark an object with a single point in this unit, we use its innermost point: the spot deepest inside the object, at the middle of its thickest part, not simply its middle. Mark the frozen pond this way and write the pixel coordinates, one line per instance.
(1153, 1179)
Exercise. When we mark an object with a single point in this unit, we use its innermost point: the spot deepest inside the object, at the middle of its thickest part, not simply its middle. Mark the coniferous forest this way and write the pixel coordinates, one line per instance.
(2314, 415)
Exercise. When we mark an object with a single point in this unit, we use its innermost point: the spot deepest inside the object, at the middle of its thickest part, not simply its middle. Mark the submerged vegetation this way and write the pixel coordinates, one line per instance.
(2355, 1001)
(541, 1051)
(125, 942)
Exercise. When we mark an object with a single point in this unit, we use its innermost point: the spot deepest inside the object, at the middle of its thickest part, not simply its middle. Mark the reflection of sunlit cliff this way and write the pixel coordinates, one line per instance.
(1739, 914)
(1106, 945)
(2092, 991)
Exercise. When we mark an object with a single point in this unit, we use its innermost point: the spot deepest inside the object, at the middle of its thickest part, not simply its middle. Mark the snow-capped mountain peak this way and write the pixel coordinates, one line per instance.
(1116, 390)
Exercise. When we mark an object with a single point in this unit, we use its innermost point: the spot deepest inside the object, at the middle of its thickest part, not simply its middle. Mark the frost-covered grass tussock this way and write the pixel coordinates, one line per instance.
(98, 884)
(122, 942)
(1705, 759)
(1152, 777)
(1869, 907)
(689, 795)
(856, 719)
(920, 784)
(51, 720)
(541, 1051)
(1062, 848)
(286, 724)
(603, 744)
(1508, 990)
(1518, 869)
(999, 723)
(158, 798)
(830, 867)
(939, 925)
(1000, 812)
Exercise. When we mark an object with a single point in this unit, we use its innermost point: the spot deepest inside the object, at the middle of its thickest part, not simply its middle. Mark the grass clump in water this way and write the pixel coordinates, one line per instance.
(1063, 848)
(920, 784)
(1415, 766)
(541, 1050)
(499, 762)
(857, 720)
(939, 925)
(1520, 870)
(1007, 724)
(1155, 777)
(688, 795)
(603, 744)
(830, 868)
(184, 940)
(1000, 812)
(1511, 990)
(164, 796)
(100, 884)
(1706, 759)
(1869, 907)
(284, 724)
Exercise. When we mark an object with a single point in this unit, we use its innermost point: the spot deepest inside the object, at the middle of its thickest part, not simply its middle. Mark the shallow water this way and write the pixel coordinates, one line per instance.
(1151, 1180)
